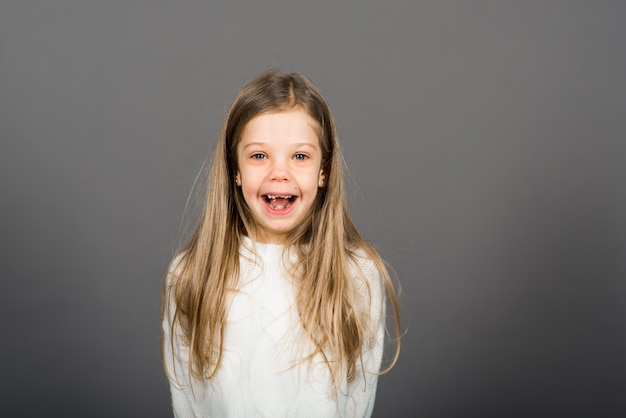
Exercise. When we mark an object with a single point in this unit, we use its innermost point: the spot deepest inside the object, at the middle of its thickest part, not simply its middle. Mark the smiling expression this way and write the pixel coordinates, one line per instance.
(279, 159)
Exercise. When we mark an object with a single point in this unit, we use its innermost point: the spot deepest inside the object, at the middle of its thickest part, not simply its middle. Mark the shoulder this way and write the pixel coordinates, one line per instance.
(362, 264)
(368, 273)
(365, 271)
(175, 268)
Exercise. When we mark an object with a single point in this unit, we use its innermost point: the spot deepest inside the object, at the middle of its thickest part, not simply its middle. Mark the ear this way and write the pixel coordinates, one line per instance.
(237, 179)
(321, 179)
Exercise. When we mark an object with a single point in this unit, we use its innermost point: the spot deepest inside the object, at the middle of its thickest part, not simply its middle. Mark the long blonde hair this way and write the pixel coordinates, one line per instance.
(326, 242)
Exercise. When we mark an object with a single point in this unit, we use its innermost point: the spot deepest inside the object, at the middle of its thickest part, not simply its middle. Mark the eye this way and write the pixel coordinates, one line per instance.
(258, 156)
(300, 156)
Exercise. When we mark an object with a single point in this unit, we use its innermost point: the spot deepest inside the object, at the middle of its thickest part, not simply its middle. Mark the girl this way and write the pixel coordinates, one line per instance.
(275, 307)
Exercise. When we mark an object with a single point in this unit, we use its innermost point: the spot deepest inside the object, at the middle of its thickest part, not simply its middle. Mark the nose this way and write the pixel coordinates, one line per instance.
(279, 170)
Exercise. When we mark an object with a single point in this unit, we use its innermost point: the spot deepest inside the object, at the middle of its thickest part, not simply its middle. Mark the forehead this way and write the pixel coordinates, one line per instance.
(293, 124)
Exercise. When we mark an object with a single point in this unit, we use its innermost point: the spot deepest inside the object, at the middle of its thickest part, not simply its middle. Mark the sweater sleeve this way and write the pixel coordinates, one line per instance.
(362, 390)
(187, 393)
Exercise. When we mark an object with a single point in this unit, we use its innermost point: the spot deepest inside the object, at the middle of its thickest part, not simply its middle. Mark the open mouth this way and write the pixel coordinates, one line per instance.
(278, 202)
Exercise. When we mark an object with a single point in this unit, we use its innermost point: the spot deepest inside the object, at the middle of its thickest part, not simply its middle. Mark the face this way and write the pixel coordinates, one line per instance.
(279, 159)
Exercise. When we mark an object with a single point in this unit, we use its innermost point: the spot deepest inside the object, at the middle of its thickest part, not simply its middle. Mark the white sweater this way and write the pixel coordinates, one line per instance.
(257, 377)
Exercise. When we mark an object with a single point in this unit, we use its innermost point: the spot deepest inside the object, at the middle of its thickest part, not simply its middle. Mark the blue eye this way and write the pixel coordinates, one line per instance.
(258, 156)
(300, 156)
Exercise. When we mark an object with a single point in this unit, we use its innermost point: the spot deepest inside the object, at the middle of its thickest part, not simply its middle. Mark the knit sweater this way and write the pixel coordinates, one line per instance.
(259, 375)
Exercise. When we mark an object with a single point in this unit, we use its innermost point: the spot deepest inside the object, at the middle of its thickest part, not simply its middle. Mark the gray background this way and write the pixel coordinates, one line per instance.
(487, 140)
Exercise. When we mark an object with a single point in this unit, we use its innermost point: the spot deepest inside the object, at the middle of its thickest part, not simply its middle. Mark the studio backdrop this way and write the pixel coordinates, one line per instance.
(486, 143)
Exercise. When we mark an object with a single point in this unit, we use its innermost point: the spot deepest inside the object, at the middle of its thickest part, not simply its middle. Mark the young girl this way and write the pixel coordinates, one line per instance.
(276, 305)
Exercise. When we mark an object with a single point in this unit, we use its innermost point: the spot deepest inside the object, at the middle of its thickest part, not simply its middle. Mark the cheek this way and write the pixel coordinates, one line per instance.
(250, 186)
(247, 191)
